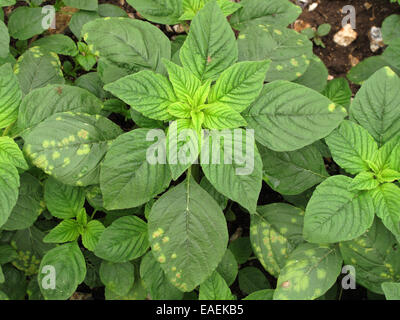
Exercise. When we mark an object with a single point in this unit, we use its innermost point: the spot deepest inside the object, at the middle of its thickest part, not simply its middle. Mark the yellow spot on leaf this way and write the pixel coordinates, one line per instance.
(56, 155)
(83, 134)
(161, 259)
(83, 149)
(159, 232)
(294, 62)
(332, 107)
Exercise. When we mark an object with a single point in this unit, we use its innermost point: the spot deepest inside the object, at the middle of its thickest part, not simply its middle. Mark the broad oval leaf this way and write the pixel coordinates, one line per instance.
(310, 271)
(10, 96)
(37, 69)
(289, 51)
(70, 270)
(387, 205)
(128, 178)
(11, 153)
(4, 40)
(9, 184)
(352, 147)
(125, 240)
(117, 277)
(26, 22)
(239, 85)
(70, 146)
(288, 116)
(57, 43)
(40, 104)
(28, 206)
(335, 213)
(239, 177)
(140, 47)
(63, 201)
(156, 282)
(374, 256)
(210, 47)
(275, 231)
(294, 172)
(215, 288)
(274, 12)
(184, 223)
(146, 92)
(159, 11)
(376, 105)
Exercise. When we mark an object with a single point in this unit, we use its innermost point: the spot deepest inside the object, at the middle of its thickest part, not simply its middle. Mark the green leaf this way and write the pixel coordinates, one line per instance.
(364, 181)
(79, 19)
(184, 82)
(275, 231)
(241, 249)
(387, 201)
(239, 85)
(66, 231)
(182, 146)
(288, 116)
(125, 53)
(70, 146)
(90, 5)
(310, 271)
(111, 10)
(117, 277)
(387, 155)
(63, 201)
(221, 116)
(91, 234)
(376, 107)
(2, 279)
(274, 12)
(4, 40)
(28, 206)
(292, 173)
(335, 213)
(238, 178)
(26, 22)
(389, 175)
(40, 104)
(338, 91)
(289, 51)
(228, 267)
(146, 92)
(9, 184)
(210, 47)
(37, 69)
(57, 43)
(184, 223)
(127, 170)
(391, 28)
(10, 96)
(11, 153)
(156, 282)
(125, 240)
(159, 11)
(324, 29)
(6, 3)
(352, 147)
(374, 256)
(7, 254)
(315, 76)
(391, 290)
(70, 271)
(266, 294)
(366, 68)
(252, 279)
(215, 288)
(221, 199)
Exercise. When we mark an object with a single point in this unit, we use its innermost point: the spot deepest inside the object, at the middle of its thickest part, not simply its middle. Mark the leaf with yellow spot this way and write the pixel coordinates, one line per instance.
(374, 256)
(310, 271)
(79, 160)
(155, 280)
(274, 231)
(194, 223)
(10, 96)
(289, 51)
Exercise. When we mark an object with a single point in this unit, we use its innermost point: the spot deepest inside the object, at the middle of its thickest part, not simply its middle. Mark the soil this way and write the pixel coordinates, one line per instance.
(335, 57)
